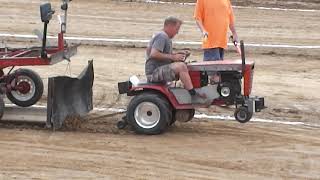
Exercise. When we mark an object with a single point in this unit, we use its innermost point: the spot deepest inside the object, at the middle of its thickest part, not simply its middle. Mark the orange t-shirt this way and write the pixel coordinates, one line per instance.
(216, 16)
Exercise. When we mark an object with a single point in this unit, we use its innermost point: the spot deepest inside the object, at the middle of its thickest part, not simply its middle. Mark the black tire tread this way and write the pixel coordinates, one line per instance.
(242, 108)
(1, 107)
(38, 88)
(165, 110)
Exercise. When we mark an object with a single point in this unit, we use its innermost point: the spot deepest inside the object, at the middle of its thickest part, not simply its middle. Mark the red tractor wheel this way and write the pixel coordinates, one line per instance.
(27, 87)
(149, 114)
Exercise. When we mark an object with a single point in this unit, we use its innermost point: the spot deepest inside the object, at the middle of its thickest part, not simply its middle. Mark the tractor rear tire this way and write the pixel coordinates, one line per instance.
(149, 113)
(242, 114)
(1, 107)
(31, 87)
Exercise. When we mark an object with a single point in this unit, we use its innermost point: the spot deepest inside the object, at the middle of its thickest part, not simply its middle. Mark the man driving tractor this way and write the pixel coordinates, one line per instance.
(155, 105)
(162, 65)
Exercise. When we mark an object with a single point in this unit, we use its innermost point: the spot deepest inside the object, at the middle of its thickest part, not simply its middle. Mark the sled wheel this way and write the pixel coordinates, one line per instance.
(121, 124)
(149, 114)
(242, 114)
(28, 87)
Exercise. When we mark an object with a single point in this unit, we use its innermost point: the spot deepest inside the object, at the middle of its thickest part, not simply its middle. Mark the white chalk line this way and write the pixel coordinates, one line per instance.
(153, 20)
(115, 40)
(276, 9)
(225, 118)
(198, 116)
(107, 18)
(230, 118)
(240, 7)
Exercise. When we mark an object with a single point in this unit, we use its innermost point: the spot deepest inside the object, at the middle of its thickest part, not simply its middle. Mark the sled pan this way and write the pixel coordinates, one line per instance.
(69, 97)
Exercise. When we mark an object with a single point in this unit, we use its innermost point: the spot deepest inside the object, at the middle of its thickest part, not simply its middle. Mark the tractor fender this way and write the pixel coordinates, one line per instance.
(160, 89)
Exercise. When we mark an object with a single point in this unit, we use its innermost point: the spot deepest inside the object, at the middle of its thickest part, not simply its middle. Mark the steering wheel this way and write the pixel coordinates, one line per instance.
(186, 53)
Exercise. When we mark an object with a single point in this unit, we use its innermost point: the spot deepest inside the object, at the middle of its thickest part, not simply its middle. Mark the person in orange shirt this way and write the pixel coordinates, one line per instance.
(213, 18)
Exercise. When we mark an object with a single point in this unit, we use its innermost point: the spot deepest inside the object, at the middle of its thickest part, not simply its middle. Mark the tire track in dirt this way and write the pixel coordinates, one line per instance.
(163, 166)
(92, 153)
(197, 150)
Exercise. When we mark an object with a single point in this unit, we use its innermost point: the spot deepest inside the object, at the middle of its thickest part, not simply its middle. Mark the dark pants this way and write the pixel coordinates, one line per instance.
(213, 54)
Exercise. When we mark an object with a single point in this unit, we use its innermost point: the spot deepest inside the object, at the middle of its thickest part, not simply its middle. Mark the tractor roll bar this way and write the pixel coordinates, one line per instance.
(63, 21)
(46, 15)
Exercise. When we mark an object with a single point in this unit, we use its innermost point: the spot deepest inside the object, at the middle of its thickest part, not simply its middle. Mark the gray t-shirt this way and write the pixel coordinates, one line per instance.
(163, 44)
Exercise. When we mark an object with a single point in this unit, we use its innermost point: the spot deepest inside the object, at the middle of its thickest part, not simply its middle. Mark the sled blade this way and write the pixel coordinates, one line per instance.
(69, 97)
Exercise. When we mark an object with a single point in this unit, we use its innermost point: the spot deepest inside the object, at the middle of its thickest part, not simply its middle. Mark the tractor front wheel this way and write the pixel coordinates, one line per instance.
(242, 114)
(27, 87)
(149, 114)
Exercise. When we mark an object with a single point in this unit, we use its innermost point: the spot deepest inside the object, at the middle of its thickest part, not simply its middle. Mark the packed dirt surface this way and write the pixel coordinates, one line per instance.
(197, 150)
(288, 4)
(200, 149)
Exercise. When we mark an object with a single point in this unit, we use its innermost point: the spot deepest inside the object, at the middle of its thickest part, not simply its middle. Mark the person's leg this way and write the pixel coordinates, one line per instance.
(168, 73)
(162, 74)
(221, 50)
(212, 54)
(181, 70)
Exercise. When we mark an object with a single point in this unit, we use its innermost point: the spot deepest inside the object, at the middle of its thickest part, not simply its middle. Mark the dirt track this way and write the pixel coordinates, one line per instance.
(201, 149)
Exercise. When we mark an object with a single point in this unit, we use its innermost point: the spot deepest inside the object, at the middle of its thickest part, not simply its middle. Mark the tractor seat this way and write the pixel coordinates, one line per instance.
(142, 80)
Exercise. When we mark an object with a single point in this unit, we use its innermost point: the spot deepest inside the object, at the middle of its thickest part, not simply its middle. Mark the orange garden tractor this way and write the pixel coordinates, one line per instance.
(156, 106)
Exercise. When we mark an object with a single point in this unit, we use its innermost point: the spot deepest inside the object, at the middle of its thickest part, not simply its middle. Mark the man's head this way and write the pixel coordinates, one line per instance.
(172, 26)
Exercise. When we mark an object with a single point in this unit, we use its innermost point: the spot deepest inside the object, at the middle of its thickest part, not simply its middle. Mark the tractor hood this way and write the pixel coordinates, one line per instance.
(225, 65)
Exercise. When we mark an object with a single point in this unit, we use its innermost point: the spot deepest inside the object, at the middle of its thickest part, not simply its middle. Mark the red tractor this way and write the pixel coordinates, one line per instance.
(156, 106)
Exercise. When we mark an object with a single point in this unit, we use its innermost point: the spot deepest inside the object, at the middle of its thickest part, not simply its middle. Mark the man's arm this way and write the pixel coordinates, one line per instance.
(201, 27)
(234, 32)
(231, 24)
(156, 54)
(198, 16)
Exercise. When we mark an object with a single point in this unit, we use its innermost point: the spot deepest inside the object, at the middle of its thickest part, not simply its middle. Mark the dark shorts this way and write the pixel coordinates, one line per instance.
(162, 74)
(213, 54)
